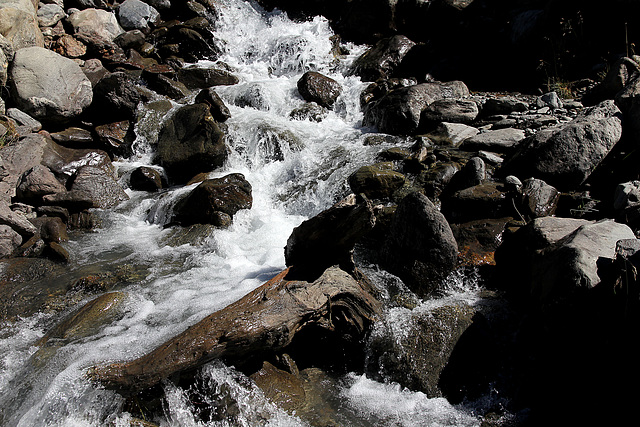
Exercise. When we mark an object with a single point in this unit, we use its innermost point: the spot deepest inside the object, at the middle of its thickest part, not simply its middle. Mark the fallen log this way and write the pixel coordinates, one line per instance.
(262, 322)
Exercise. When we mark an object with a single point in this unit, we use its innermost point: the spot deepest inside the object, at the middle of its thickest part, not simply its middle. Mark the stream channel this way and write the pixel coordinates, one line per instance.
(297, 169)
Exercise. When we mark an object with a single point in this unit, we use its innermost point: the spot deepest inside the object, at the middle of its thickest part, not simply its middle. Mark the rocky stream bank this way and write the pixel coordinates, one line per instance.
(536, 195)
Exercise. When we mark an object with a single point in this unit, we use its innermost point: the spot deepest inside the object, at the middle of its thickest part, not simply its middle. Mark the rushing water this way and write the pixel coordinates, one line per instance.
(185, 282)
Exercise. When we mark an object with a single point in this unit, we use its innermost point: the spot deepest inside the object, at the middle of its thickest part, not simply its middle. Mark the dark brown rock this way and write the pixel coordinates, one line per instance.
(218, 109)
(204, 205)
(145, 179)
(51, 229)
(318, 88)
(329, 237)
(37, 182)
(380, 61)
(100, 185)
(190, 142)
(264, 321)
(202, 78)
(73, 137)
(421, 248)
(115, 138)
(115, 98)
(376, 181)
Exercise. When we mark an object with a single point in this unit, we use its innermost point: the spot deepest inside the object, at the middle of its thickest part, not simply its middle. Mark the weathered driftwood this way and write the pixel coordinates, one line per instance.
(265, 320)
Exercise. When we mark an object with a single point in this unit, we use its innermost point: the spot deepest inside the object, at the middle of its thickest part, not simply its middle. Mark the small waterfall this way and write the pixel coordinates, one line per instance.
(297, 168)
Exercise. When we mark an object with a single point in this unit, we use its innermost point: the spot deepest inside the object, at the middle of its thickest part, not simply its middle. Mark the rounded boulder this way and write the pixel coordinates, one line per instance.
(48, 86)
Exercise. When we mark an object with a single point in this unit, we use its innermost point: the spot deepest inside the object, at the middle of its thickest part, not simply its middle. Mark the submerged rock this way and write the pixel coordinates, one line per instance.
(417, 357)
(87, 320)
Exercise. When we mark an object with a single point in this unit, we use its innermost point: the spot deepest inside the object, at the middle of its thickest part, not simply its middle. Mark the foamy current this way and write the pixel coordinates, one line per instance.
(186, 281)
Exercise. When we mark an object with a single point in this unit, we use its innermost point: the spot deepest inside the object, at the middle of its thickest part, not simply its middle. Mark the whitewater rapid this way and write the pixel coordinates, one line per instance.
(186, 281)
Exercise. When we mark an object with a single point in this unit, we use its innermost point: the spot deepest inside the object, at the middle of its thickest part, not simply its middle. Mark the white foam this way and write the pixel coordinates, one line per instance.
(396, 406)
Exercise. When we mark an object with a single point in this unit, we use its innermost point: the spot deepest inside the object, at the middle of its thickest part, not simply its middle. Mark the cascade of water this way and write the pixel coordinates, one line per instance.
(296, 169)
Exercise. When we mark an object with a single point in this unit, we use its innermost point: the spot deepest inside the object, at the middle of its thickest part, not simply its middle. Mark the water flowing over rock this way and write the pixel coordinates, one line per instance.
(190, 142)
(49, 86)
(421, 248)
(418, 358)
(265, 321)
(244, 140)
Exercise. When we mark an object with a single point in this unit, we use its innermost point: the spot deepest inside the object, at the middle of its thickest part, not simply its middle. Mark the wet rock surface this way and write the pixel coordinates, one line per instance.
(521, 189)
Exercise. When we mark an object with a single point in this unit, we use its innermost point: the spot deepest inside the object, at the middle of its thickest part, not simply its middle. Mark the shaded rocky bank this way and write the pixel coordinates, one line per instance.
(535, 194)
(496, 44)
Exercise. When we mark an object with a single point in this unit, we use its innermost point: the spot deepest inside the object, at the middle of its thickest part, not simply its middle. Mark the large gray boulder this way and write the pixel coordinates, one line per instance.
(565, 155)
(48, 86)
(50, 14)
(551, 258)
(96, 23)
(9, 241)
(398, 112)
(190, 142)
(19, 24)
(16, 159)
(572, 263)
(37, 182)
(100, 185)
(451, 111)
(137, 15)
(421, 248)
(499, 141)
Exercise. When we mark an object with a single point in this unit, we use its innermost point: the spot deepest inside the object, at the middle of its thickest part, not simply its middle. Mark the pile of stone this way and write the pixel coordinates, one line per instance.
(76, 76)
